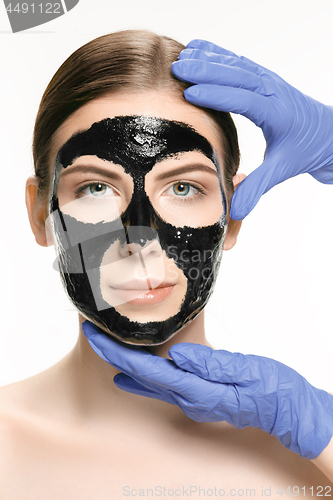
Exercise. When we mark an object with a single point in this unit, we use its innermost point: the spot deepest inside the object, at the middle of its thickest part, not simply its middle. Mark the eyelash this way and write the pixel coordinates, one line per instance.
(88, 184)
(187, 199)
(181, 199)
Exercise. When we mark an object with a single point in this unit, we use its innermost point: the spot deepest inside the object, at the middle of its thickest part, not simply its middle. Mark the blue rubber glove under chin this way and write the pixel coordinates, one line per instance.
(298, 129)
(214, 385)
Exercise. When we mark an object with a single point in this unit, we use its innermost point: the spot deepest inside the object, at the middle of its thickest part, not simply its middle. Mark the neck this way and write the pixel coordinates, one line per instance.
(89, 380)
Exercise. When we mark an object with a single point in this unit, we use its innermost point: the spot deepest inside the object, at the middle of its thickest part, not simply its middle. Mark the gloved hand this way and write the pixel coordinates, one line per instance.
(298, 130)
(211, 386)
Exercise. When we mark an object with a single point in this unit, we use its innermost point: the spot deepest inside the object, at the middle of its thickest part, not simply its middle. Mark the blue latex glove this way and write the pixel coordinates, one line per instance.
(298, 130)
(211, 386)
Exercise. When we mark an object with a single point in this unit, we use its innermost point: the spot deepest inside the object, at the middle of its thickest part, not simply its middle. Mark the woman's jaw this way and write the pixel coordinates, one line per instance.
(193, 332)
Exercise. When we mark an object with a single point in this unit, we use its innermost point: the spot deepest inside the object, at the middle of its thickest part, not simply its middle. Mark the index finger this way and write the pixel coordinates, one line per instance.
(198, 43)
(132, 360)
(243, 61)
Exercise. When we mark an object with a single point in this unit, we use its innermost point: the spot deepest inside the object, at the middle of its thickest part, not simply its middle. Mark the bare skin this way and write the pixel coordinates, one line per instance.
(70, 433)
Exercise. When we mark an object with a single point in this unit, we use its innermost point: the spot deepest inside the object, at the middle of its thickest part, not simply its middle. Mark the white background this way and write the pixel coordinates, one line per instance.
(274, 293)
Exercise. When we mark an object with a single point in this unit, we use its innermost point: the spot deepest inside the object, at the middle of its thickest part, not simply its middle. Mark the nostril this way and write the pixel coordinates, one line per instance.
(137, 239)
(140, 234)
(140, 245)
(142, 241)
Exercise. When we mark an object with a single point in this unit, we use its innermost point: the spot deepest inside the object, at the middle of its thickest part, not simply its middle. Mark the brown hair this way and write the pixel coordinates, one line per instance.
(132, 60)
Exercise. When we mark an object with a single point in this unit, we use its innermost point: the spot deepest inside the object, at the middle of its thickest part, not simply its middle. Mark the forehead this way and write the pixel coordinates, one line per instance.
(153, 104)
(135, 140)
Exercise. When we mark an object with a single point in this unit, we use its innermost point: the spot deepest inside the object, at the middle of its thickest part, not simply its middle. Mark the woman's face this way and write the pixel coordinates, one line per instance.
(138, 212)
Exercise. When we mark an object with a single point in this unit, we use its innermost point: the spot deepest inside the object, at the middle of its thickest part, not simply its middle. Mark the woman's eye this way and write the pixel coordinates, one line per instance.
(182, 189)
(96, 189)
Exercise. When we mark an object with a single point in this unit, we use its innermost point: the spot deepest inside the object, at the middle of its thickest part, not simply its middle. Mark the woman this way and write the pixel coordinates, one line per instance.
(136, 184)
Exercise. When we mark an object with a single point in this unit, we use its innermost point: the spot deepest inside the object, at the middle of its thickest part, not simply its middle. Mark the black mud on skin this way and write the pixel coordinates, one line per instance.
(137, 143)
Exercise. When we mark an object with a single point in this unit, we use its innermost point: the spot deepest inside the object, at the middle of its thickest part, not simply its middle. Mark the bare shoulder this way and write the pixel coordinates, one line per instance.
(20, 406)
(14, 404)
(22, 425)
(14, 400)
(11, 408)
(11, 431)
(6, 397)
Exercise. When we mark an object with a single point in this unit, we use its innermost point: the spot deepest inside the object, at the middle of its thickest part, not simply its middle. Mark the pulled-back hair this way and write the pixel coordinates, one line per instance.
(133, 60)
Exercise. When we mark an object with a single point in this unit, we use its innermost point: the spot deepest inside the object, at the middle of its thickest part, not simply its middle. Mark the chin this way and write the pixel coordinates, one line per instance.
(149, 333)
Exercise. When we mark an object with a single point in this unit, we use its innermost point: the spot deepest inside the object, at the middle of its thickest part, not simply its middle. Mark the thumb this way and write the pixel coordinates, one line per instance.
(257, 183)
(202, 361)
(191, 357)
(217, 365)
(149, 390)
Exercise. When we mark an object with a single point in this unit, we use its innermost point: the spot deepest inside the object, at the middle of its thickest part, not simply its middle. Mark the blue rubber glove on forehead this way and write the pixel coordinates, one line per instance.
(211, 386)
(298, 130)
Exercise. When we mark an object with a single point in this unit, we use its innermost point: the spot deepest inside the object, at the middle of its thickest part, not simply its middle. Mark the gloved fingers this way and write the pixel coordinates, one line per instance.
(257, 183)
(199, 406)
(200, 44)
(214, 73)
(202, 55)
(136, 362)
(253, 106)
(109, 348)
(197, 400)
(216, 49)
(216, 365)
(133, 386)
(228, 60)
(323, 174)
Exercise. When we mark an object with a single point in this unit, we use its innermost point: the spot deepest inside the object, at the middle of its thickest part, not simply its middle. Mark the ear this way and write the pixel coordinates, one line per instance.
(37, 213)
(233, 225)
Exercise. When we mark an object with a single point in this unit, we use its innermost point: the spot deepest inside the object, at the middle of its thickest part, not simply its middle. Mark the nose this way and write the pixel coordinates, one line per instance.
(140, 239)
(151, 248)
(139, 211)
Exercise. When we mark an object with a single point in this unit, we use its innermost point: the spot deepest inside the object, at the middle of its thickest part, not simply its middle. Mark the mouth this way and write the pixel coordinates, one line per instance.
(140, 293)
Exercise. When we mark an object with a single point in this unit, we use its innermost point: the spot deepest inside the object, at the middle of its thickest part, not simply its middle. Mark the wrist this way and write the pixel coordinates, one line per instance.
(318, 428)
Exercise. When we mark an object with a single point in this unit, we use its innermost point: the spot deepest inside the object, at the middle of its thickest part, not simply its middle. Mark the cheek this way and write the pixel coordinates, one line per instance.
(88, 210)
(196, 213)
(200, 204)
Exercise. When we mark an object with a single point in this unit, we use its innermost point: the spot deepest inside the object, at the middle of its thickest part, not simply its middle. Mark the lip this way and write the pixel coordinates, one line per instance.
(138, 292)
(143, 284)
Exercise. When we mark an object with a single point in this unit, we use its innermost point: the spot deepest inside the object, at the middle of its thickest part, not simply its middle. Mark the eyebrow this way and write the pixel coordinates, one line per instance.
(185, 169)
(106, 137)
(91, 170)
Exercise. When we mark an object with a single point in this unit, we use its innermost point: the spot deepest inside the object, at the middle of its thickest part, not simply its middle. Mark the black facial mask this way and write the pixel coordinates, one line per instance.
(137, 143)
